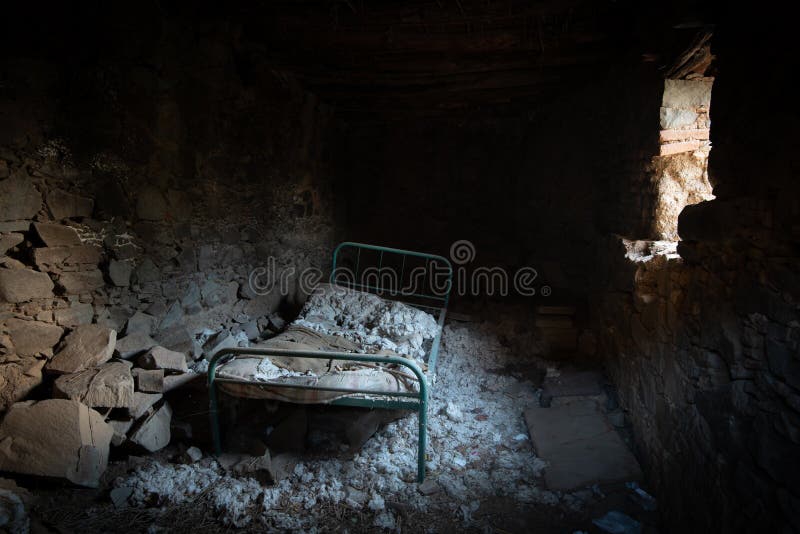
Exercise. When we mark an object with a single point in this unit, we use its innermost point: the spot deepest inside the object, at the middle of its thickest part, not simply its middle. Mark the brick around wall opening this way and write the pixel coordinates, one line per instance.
(678, 148)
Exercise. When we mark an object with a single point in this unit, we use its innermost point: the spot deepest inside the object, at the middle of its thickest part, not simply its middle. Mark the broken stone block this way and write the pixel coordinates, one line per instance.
(176, 338)
(192, 455)
(222, 340)
(161, 358)
(76, 283)
(9, 241)
(428, 487)
(119, 496)
(140, 322)
(57, 438)
(153, 433)
(215, 293)
(32, 337)
(17, 379)
(251, 330)
(134, 344)
(86, 346)
(55, 258)
(78, 313)
(142, 402)
(22, 285)
(19, 199)
(282, 466)
(56, 235)
(149, 381)
(120, 272)
(120, 431)
(175, 381)
(65, 205)
(107, 386)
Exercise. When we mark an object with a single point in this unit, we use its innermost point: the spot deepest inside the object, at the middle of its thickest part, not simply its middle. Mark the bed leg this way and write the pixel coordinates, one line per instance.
(423, 440)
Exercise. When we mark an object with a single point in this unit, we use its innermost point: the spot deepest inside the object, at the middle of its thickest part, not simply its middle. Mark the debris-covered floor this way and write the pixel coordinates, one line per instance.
(484, 474)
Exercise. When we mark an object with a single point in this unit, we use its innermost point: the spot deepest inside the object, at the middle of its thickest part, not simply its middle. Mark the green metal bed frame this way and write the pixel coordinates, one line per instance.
(403, 400)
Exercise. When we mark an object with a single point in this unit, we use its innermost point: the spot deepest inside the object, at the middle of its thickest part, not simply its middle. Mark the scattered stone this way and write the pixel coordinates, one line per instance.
(65, 205)
(19, 199)
(76, 283)
(32, 337)
(22, 285)
(17, 379)
(120, 431)
(428, 487)
(140, 322)
(153, 433)
(107, 386)
(56, 235)
(14, 503)
(175, 381)
(150, 381)
(55, 437)
(142, 402)
(192, 296)
(134, 344)
(161, 358)
(222, 340)
(120, 272)
(355, 497)
(77, 314)
(216, 294)
(193, 455)
(86, 346)
(55, 258)
(119, 496)
(9, 241)
(251, 330)
(173, 316)
(258, 467)
(276, 322)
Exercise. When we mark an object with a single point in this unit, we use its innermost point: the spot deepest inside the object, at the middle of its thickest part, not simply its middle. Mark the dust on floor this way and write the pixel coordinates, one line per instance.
(483, 474)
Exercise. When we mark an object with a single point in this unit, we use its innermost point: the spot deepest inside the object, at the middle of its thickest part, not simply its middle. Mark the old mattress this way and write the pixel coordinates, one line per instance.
(340, 320)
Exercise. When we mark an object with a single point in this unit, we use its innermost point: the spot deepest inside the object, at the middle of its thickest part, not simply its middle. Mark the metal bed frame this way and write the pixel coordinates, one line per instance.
(403, 400)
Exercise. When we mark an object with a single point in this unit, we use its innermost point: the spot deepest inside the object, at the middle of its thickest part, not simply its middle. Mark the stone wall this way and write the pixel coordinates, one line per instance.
(144, 194)
(705, 347)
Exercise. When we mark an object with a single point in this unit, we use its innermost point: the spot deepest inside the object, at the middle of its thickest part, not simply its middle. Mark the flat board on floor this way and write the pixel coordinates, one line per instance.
(580, 446)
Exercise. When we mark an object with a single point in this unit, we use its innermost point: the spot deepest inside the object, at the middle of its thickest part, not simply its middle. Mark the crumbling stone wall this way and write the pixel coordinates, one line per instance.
(181, 164)
(705, 347)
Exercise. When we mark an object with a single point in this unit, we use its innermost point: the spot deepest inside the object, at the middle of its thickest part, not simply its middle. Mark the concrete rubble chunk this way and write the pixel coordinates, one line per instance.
(32, 337)
(76, 283)
(119, 496)
(153, 433)
(65, 205)
(142, 402)
(193, 454)
(107, 386)
(17, 379)
(22, 285)
(53, 258)
(57, 438)
(9, 241)
(149, 381)
(161, 358)
(176, 338)
(134, 344)
(19, 199)
(174, 316)
(56, 235)
(86, 346)
(140, 322)
(121, 428)
(120, 272)
(77, 314)
(175, 381)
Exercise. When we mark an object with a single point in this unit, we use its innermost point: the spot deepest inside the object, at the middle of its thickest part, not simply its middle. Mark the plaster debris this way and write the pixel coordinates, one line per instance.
(372, 322)
(384, 470)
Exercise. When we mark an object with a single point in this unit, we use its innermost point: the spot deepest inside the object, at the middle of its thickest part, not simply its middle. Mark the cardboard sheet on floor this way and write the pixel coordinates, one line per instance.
(580, 445)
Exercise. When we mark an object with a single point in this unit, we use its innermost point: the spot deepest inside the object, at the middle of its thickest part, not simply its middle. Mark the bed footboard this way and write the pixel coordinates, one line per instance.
(408, 400)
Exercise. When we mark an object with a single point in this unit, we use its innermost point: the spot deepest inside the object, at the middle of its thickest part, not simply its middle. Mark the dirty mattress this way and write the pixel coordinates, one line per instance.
(339, 320)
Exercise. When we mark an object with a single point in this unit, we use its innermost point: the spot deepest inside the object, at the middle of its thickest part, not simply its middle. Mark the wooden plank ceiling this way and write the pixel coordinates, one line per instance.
(434, 57)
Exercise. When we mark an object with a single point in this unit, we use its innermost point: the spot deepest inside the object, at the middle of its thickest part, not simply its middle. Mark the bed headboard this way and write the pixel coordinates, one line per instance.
(416, 277)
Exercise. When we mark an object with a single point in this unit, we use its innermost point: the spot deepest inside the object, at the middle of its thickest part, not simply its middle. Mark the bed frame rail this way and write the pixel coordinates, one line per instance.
(406, 400)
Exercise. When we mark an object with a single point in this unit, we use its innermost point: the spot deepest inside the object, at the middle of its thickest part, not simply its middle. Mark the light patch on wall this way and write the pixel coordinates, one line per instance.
(681, 168)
